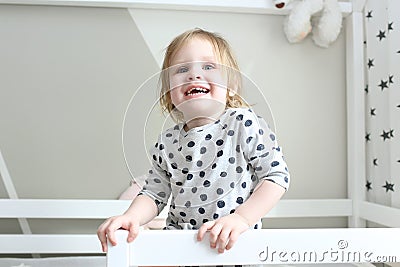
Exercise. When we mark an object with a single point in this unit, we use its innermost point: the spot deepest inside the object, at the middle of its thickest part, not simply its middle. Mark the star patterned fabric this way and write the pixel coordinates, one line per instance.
(382, 101)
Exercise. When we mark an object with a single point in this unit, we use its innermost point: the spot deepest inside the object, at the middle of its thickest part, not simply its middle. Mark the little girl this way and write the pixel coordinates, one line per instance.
(220, 163)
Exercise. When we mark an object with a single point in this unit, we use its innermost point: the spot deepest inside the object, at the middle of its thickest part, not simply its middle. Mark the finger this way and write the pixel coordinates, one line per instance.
(214, 234)
(110, 232)
(223, 239)
(101, 234)
(232, 239)
(133, 232)
(203, 229)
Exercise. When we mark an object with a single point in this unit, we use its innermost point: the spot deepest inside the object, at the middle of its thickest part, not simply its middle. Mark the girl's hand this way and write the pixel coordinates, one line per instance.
(108, 228)
(224, 232)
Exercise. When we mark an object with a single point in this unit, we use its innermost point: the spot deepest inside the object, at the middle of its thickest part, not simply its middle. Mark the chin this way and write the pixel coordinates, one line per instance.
(201, 108)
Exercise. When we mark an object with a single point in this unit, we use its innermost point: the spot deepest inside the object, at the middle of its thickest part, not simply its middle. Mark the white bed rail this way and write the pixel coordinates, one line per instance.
(101, 209)
(278, 246)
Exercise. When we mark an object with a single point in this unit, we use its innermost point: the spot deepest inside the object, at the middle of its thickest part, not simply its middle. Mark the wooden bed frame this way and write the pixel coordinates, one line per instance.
(251, 244)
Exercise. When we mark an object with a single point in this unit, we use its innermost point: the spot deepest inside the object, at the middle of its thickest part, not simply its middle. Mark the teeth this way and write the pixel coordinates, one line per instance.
(197, 90)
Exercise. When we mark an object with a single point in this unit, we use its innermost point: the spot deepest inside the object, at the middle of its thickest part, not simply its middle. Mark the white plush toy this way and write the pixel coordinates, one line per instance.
(303, 19)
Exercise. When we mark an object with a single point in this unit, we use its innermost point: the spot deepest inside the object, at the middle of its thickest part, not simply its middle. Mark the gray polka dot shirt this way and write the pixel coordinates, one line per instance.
(210, 170)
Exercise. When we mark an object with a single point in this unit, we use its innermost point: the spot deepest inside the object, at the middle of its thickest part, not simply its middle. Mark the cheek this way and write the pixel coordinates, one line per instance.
(175, 97)
(175, 81)
(218, 79)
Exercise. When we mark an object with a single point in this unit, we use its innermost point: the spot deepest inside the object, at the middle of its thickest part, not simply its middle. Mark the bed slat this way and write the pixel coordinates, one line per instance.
(49, 244)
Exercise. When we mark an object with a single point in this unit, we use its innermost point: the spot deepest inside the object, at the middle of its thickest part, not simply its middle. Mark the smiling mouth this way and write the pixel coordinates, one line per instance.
(197, 91)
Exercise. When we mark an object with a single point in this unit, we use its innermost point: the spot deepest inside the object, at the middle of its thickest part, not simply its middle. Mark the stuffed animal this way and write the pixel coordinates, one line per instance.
(302, 20)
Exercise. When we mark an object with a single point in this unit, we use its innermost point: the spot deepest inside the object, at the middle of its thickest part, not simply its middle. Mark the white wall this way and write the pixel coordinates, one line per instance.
(68, 74)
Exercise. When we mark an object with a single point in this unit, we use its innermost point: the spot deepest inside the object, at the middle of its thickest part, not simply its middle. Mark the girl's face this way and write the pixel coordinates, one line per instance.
(198, 83)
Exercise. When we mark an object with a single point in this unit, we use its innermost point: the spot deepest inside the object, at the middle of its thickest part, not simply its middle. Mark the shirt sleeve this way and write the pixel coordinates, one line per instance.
(262, 152)
(157, 185)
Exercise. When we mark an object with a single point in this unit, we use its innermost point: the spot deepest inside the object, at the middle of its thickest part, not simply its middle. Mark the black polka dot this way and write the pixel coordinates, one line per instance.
(214, 166)
(258, 168)
(206, 183)
(203, 197)
(238, 148)
(261, 131)
(220, 191)
(248, 123)
(274, 163)
(220, 142)
(223, 174)
(231, 132)
(174, 166)
(179, 183)
(202, 210)
(215, 216)
(185, 170)
(168, 135)
(205, 220)
(260, 147)
(161, 147)
(188, 204)
(160, 160)
(203, 150)
(264, 155)
(194, 190)
(199, 163)
(239, 169)
(239, 200)
(221, 204)
(239, 117)
(232, 211)
(157, 181)
(244, 185)
(191, 144)
(272, 137)
(253, 158)
(248, 140)
(182, 191)
(156, 145)
(256, 226)
(189, 176)
(231, 160)
(208, 137)
(193, 222)
(232, 185)
(161, 194)
(182, 214)
(188, 158)
(232, 113)
(224, 127)
(220, 153)
(286, 179)
(175, 141)
(202, 174)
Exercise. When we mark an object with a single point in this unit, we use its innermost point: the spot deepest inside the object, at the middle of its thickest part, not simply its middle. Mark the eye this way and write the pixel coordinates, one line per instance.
(208, 67)
(182, 69)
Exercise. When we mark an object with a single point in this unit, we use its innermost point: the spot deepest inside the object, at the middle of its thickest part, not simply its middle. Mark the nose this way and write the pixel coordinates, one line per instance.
(195, 73)
(194, 77)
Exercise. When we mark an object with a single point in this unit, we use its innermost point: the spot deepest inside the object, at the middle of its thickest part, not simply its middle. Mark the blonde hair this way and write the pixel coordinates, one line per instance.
(226, 58)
